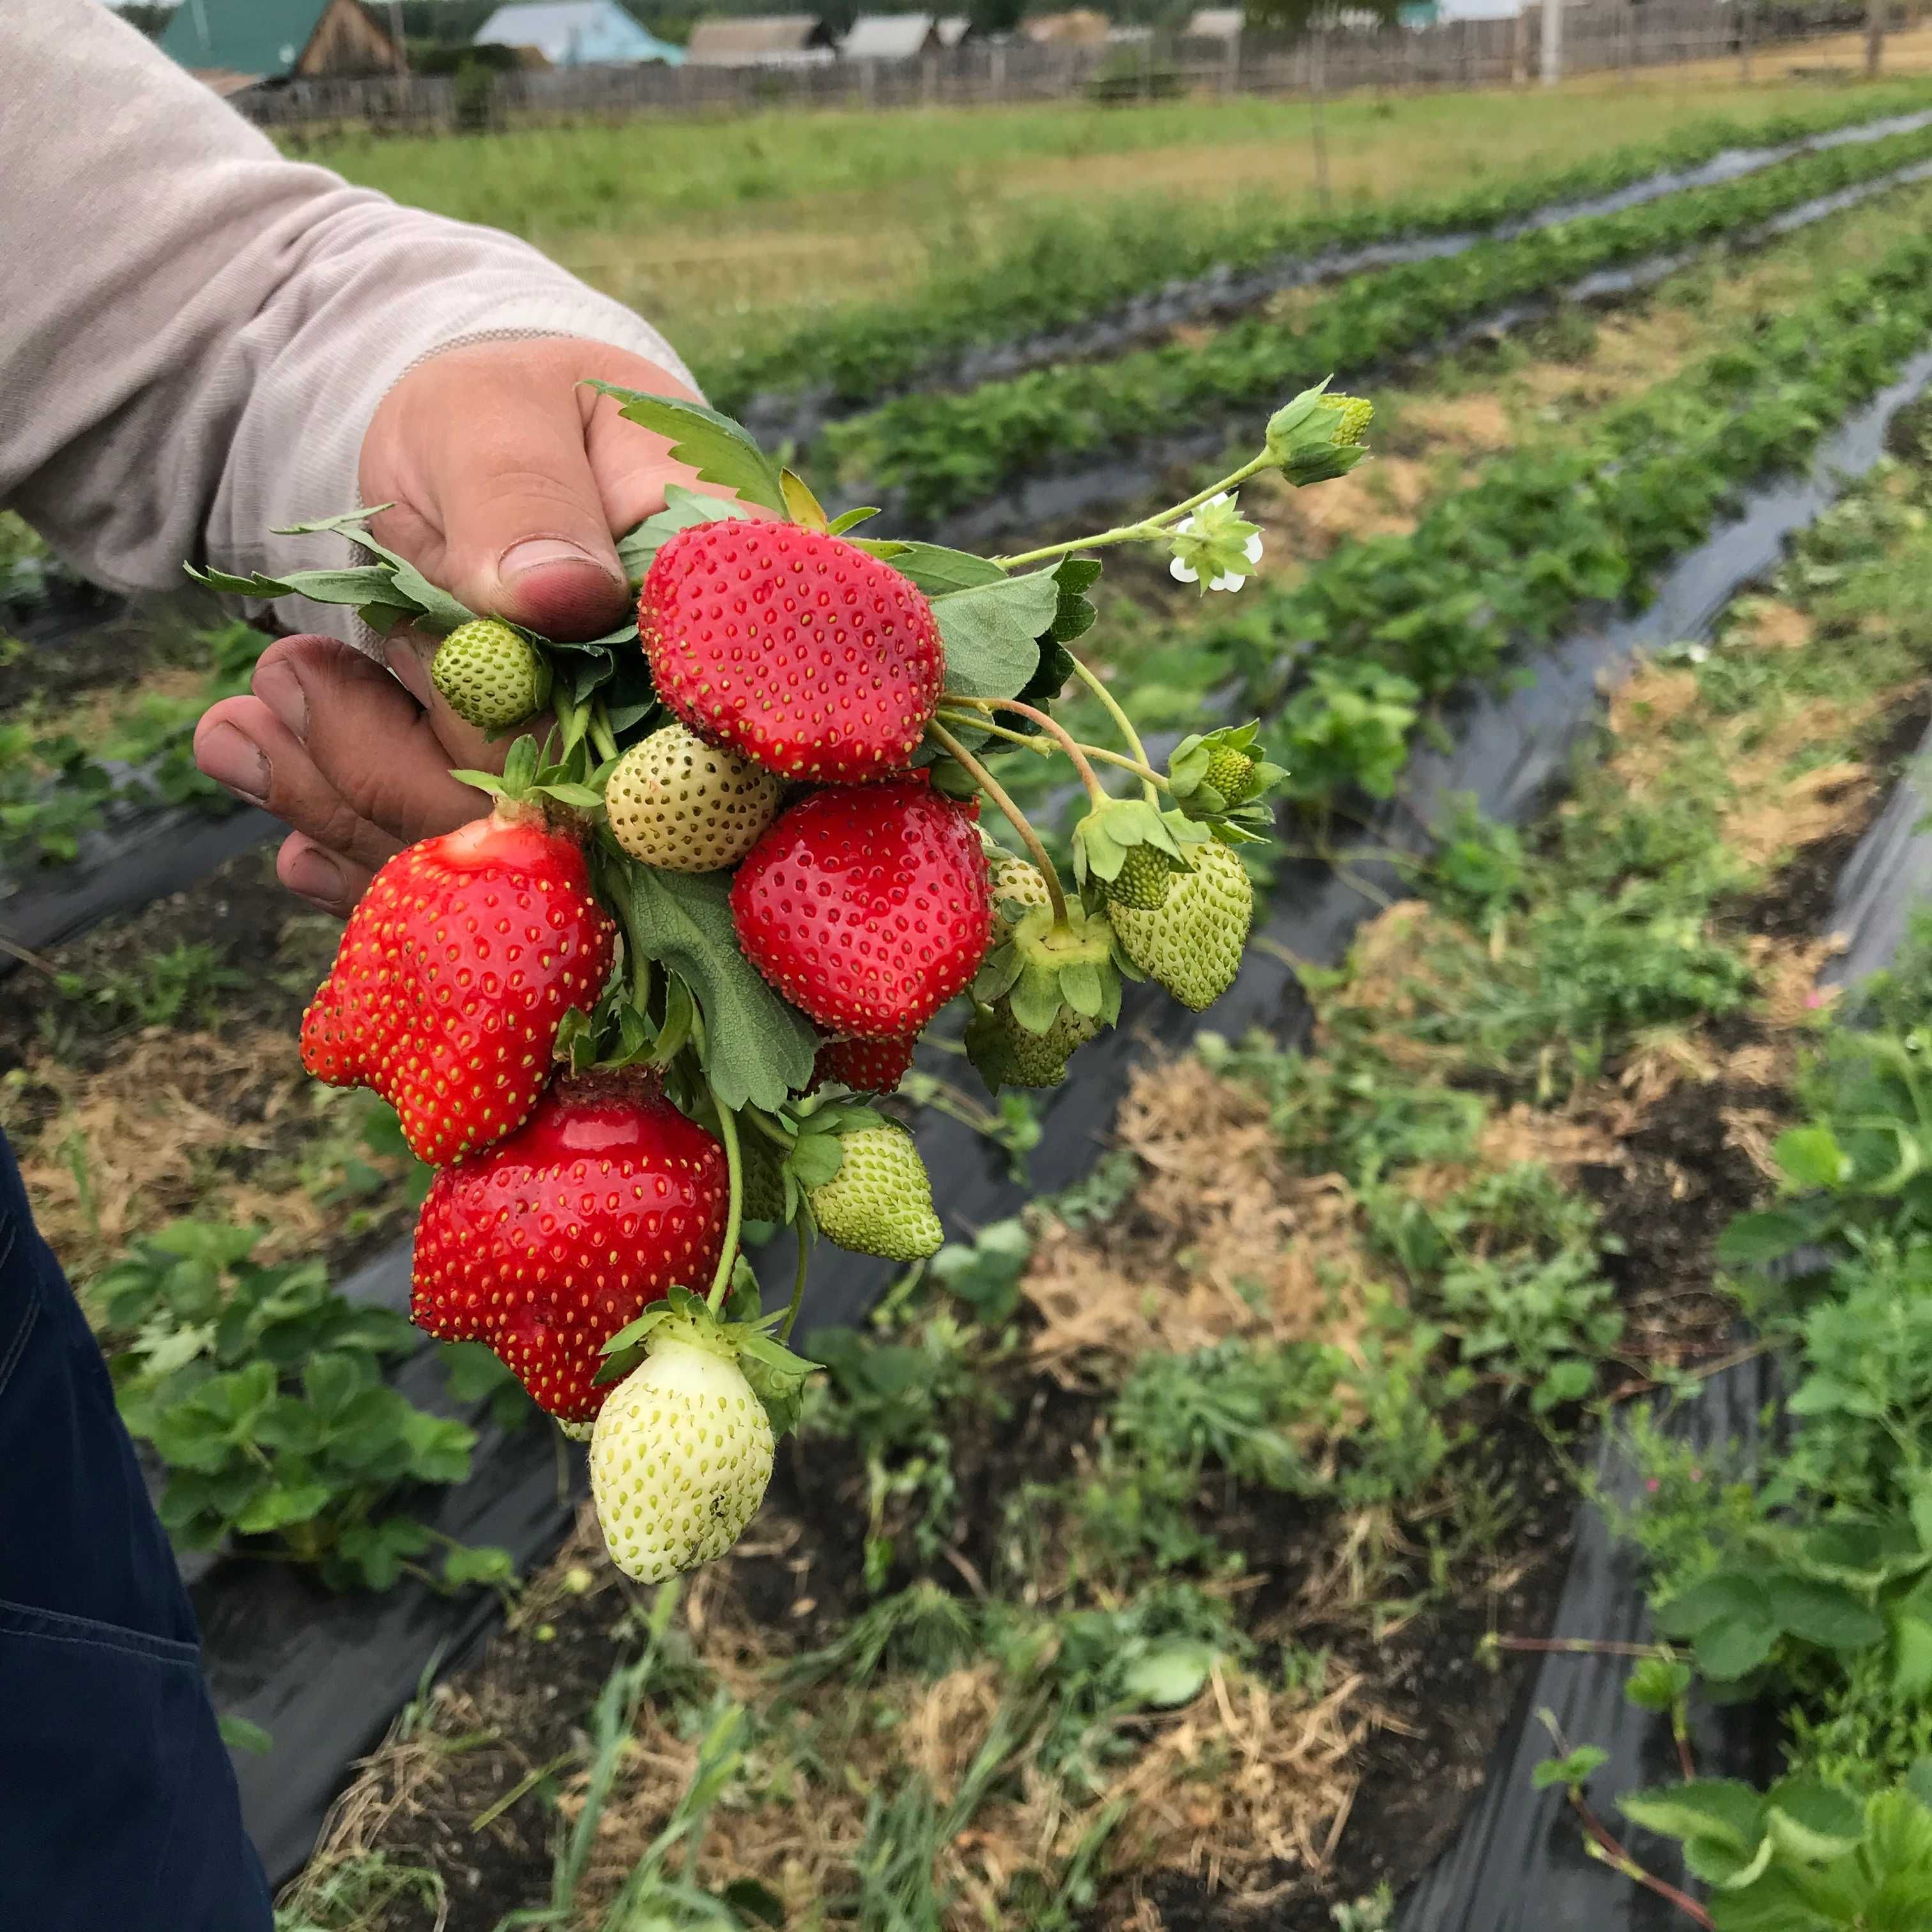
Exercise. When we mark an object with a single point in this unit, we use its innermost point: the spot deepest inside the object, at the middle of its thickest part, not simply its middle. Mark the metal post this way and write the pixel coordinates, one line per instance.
(1318, 125)
(1552, 42)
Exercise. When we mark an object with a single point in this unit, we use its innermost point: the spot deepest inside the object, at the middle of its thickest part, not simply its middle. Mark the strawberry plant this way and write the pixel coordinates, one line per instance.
(948, 451)
(717, 898)
(261, 1390)
(1060, 270)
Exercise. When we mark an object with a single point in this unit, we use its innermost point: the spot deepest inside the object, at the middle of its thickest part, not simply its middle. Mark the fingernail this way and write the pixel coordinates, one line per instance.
(232, 760)
(533, 553)
(313, 874)
(281, 691)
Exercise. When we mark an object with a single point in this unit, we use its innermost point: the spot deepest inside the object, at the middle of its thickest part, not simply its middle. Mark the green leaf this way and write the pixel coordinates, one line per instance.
(684, 509)
(1813, 1822)
(1576, 1768)
(1811, 1157)
(935, 569)
(1175, 1673)
(816, 1159)
(721, 451)
(1724, 1810)
(1727, 1593)
(1724, 1866)
(758, 1050)
(1826, 1614)
(243, 1734)
(1733, 1647)
(991, 633)
(1657, 1684)
(1911, 1658)
(1075, 616)
(483, 1563)
(281, 1504)
(1751, 1240)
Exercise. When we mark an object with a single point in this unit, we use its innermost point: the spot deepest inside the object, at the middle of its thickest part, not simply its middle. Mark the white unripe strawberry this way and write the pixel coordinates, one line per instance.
(680, 1457)
(678, 803)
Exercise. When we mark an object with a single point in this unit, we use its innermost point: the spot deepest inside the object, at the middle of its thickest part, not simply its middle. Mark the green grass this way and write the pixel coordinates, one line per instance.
(733, 235)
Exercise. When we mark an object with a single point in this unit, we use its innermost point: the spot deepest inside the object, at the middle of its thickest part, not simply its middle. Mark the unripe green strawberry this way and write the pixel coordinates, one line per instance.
(1192, 944)
(1231, 773)
(761, 1179)
(879, 1202)
(1027, 1059)
(493, 677)
(1143, 881)
(678, 803)
(1015, 882)
(679, 1458)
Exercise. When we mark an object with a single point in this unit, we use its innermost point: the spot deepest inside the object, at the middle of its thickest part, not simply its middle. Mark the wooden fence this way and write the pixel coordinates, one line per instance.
(1598, 36)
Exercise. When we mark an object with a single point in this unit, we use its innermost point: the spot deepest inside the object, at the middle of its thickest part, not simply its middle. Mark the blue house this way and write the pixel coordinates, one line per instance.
(576, 33)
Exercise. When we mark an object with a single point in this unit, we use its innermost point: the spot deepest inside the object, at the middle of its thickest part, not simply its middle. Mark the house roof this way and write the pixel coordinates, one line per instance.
(242, 36)
(1077, 26)
(953, 29)
(755, 37)
(1214, 23)
(887, 36)
(561, 29)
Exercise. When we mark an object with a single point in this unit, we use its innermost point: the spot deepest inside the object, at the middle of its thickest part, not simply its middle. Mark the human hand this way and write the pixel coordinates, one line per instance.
(508, 480)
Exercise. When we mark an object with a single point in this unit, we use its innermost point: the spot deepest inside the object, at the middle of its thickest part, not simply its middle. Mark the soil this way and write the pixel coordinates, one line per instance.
(84, 640)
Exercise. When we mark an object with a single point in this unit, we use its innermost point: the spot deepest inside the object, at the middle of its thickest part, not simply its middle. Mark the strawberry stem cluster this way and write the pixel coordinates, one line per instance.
(722, 889)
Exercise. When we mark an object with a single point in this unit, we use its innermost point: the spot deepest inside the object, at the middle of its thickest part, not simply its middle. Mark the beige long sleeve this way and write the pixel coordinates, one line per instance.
(194, 331)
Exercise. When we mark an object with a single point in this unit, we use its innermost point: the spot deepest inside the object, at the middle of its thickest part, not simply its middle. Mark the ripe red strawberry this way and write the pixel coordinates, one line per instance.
(547, 1244)
(797, 649)
(865, 1066)
(451, 982)
(867, 906)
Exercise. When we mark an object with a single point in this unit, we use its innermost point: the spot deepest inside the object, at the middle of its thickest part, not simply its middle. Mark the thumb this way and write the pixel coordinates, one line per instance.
(525, 533)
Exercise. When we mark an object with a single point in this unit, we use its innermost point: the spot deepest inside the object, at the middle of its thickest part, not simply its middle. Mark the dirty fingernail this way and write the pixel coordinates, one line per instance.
(313, 874)
(232, 760)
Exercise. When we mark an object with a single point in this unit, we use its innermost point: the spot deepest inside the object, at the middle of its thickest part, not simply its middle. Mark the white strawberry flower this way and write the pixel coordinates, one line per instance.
(1218, 540)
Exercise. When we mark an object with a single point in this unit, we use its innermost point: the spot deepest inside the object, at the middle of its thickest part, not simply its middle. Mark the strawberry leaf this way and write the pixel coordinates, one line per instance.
(683, 510)
(361, 583)
(991, 633)
(805, 508)
(758, 1049)
(721, 451)
(936, 570)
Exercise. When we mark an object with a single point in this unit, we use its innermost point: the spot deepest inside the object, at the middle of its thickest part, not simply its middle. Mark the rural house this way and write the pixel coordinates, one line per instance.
(576, 33)
(890, 36)
(233, 44)
(760, 40)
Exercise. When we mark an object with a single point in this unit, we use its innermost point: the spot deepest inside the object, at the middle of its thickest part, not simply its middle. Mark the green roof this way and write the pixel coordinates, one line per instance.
(263, 36)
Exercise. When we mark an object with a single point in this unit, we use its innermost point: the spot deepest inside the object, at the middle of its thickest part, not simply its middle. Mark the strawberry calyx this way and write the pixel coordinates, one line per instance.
(1220, 780)
(1103, 839)
(683, 1320)
(543, 787)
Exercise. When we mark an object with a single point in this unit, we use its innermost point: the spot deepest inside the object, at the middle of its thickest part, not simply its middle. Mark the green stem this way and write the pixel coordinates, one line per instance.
(601, 735)
(1096, 792)
(798, 1283)
(1147, 529)
(734, 1212)
(991, 787)
(1097, 685)
(1032, 742)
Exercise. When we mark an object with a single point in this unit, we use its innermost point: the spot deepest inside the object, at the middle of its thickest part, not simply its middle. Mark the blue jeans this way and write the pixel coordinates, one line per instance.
(118, 1811)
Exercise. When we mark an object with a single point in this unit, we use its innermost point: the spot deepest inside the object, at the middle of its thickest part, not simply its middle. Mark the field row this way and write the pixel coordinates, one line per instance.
(940, 454)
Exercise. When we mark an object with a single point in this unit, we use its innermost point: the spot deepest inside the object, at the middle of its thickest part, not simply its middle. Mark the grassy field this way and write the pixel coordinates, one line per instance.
(726, 231)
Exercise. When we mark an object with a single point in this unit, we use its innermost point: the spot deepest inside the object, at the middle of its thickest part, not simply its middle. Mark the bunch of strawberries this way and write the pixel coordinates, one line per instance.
(655, 993)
